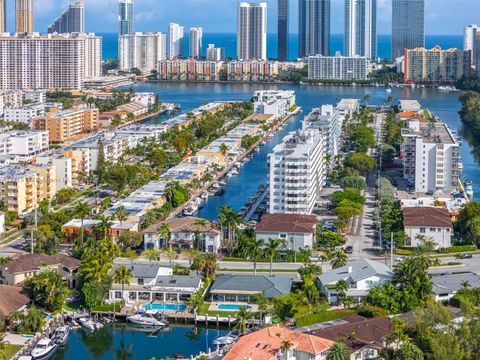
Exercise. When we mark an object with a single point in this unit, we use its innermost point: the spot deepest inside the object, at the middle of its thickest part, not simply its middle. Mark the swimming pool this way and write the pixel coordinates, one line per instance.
(171, 307)
(232, 307)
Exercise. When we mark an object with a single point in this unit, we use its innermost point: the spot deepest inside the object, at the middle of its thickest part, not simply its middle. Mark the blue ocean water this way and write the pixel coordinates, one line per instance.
(229, 42)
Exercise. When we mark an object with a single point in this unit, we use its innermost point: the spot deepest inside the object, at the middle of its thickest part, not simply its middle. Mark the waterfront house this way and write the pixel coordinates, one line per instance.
(446, 286)
(243, 288)
(153, 281)
(361, 276)
(268, 344)
(73, 227)
(185, 233)
(12, 299)
(296, 230)
(369, 335)
(431, 223)
(20, 269)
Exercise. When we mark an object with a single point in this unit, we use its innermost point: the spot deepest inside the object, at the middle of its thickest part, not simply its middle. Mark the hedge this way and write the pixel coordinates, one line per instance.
(457, 249)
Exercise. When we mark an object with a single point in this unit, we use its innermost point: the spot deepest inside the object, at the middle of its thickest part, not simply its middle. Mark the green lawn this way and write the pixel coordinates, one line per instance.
(72, 306)
(321, 316)
(203, 310)
(11, 350)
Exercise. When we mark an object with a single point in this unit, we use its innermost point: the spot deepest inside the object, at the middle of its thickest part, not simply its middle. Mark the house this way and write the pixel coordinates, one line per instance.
(152, 281)
(73, 227)
(20, 269)
(361, 276)
(431, 223)
(12, 299)
(446, 286)
(185, 233)
(268, 344)
(242, 288)
(369, 338)
(409, 106)
(298, 231)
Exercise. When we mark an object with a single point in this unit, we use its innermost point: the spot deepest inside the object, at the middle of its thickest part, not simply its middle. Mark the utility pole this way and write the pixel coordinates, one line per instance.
(391, 251)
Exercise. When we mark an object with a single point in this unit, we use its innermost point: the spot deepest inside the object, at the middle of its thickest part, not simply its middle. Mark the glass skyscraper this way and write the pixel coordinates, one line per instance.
(125, 17)
(314, 27)
(71, 21)
(360, 28)
(408, 26)
(283, 30)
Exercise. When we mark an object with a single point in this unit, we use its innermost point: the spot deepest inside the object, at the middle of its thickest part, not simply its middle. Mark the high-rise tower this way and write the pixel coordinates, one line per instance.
(408, 26)
(175, 36)
(125, 17)
(24, 16)
(360, 28)
(252, 31)
(195, 39)
(3, 16)
(314, 27)
(283, 30)
(71, 21)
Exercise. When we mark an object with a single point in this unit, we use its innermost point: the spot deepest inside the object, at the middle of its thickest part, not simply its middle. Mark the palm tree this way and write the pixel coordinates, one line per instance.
(200, 224)
(254, 248)
(151, 254)
(82, 210)
(341, 287)
(286, 345)
(5, 260)
(4, 346)
(465, 284)
(123, 275)
(224, 149)
(230, 220)
(164, 233)
(104, 225)
(242, 317)
(338, 258)
(171, 254)
(271, 251)
(121, 214)
(338, 351)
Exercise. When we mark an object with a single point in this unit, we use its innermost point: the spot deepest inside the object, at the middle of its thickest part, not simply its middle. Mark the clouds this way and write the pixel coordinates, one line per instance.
(442, 16)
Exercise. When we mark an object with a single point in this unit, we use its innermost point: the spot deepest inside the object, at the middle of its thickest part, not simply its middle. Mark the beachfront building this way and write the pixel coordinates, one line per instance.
(338, 67)
(141, 51)
(408, 26)
(295, 230)
(175, 42)
(251, 70)
(360, 35)
(429, 223)
(53, 61)
(190, 69)
(274, 102)
(436, 66)
(361, 276)
(297, 172)
(329, 121)
(431, 157)
(71, 20)
(185, 233)
(195, 42)
(244, 288)
(252, 31)
(313, 28)
(215, 53)
(125, 17)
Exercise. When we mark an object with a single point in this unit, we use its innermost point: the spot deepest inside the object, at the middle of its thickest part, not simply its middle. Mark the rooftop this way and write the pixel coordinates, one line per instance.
(186, 224)
(426, 216)
(270, 286)
(356, 271)
(293, 223)
(33, 262)
(12, 298)
(451, 283)
(432, 132)
(140, 268)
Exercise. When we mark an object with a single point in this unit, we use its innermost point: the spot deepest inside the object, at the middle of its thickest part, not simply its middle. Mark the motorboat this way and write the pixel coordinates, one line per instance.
(60, 336)
(44, 349)
(469, 189)
(225, 340)
(388, 91)
(88, 324)
(146, 319)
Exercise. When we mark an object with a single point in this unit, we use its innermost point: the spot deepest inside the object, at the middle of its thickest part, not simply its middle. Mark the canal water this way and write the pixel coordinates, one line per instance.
(121, 342)
(443, 104)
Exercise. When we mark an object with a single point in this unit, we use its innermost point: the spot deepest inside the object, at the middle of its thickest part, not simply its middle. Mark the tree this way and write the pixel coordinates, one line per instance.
(361, 162)
(229, 221)
(121, 214)
(286, 346)
(164, 233)
(224, 149)
(4, 347)
(254, 248)
(330, 239)
(104, 225)
(128, 240)
(354, 182)
(101, 163)
(123, 275)
(171, 254)
(200, 224)
(341, 288)
(206, 264)
(338, 351)
(30, 321)
(242, 317)
(271, 251)
(48, 289)
(151, 254)
(338, 258)
(46, 240)
(82, 210)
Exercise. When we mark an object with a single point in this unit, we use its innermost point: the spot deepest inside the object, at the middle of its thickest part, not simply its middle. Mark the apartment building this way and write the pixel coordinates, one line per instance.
(297, 172)
(18, 189)
(27, 113)
(193, 70)
(23, 143)
(35, 96)
(80, 162)
(175, 35)
(252, 70)
(252, 31)
(431, 157)
(64, 126)
(46, 181)
(195, 42)
(63, 169)
(53, 61)
(328, 120)
(141, 50)
(436, 66)
(10, 99)
(72, 20)
(274, 102)
(215, 53)
(338, 67)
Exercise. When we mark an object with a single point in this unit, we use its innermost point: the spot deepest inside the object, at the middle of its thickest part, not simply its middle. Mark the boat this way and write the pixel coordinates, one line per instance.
(87, 324)
(388, 90)
(44, 349)
(146, 319)
(469, 189)
(225, 340)
(60, 336)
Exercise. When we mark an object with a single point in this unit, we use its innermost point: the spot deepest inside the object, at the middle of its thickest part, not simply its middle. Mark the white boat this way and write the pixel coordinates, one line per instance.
(87, 324)
(44, 349)
(146, 319)
(60, 336)
(469, 189)
(225, 340)
(388, 91)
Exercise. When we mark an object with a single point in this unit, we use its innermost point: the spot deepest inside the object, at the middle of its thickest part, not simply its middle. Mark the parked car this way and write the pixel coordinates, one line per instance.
(349, 249)
(465, 256)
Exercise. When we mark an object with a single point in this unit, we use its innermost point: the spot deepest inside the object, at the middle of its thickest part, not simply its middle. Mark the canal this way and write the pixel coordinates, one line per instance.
(443, 104)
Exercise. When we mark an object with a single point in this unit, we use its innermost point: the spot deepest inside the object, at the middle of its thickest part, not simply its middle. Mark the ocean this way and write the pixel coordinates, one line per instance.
(228, 41)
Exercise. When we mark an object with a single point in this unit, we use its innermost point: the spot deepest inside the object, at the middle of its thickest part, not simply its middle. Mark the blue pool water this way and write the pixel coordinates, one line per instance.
(232, 307)
(173, 307)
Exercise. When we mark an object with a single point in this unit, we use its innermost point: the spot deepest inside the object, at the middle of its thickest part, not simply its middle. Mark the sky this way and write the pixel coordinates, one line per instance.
(445, 17)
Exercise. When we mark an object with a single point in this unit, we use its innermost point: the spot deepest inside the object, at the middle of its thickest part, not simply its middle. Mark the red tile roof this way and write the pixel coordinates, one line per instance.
(266, 343)
(426, 216)
(293, 223)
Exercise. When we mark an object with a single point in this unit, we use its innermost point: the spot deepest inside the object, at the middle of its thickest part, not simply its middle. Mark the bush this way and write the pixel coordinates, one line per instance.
(369, 311)
(457, 249)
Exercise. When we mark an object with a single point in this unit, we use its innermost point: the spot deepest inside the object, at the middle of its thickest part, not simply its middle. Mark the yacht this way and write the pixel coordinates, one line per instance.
(469, 189)
(87, 324)
(60, 336)
(146, 319)
(44, 349)
(225, 340)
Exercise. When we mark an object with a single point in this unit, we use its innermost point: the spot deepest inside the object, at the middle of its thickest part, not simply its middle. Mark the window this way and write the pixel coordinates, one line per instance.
(140, 281)
(433, 229)
(422, 230)
(118, 294)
